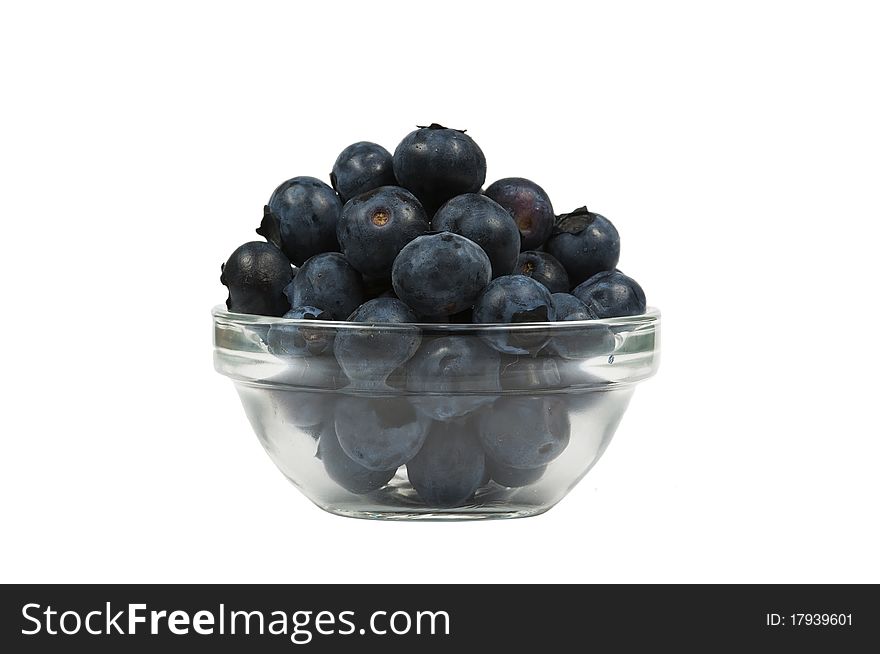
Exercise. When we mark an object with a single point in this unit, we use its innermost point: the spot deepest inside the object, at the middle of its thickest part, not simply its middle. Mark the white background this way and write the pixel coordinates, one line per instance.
(734, 145)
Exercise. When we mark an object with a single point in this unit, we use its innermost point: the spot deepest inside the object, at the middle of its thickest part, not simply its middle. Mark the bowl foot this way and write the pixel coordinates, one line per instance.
(438, 515)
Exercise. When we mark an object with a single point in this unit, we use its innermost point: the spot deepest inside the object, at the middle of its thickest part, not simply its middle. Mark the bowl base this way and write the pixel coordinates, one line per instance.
(447, 515)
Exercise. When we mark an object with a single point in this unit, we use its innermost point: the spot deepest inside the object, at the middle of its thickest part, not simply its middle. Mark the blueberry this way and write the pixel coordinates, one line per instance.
(380, 433)
(307, 210)
(376, 225)
(522, 373)
(286, 340)
(486, 223)
(369, 355)
(437, 163)
(303, 410)
(256, 274)
(569, 307)
(581, 342)
(513, 477)
(340, 467)
(361, 167)
(515, 299)
(270, 227)
(440, 274)
(585, 243)
(328, 282)
(543, 268)
(530, 207)
(611, 293)
(525, 431)
(460, 373)
(384, 309)
(450, 467)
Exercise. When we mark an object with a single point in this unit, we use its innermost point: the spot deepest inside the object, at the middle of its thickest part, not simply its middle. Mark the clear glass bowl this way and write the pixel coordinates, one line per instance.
(435, 421)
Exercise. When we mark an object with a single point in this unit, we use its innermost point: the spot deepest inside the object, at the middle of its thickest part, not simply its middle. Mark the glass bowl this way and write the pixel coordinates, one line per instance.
(435, 421)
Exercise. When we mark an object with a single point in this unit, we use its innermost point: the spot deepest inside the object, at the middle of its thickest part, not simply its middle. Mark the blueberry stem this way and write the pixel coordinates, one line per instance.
(439, 126)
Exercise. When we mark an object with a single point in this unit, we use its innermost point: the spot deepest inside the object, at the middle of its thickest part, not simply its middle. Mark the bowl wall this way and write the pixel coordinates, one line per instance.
(435, 421)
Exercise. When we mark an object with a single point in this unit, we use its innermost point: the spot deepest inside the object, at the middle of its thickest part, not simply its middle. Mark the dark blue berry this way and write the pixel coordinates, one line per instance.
(585, 243)
(286, 340)
(380, 433)
(453, 376)
(437, 163)
(543, 268)
(568, 307)
(525, 431)
(307, 210)
(513, 477)
(270, 227)
(327, 281)
(256, 274)
(580, 342)
(530, 207)
(515, 299)
(376, 225)
(440, 274)
(361, 167)
(450, 467)
(369, 354)
(486, 223)
(610, 294)
(342, 469)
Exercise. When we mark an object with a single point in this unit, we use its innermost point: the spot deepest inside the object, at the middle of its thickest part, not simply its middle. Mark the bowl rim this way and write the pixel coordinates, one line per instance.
(650, 317)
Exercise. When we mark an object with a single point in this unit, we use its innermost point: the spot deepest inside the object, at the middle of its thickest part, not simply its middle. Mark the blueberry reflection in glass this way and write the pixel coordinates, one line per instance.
(583, 341)
(380, 433)
(525, 431)
(515, 299)
(450, 467)
(513, 477)
(369, 355)
(287, 341)
(459, 373)
(305, 411)
(342, 469)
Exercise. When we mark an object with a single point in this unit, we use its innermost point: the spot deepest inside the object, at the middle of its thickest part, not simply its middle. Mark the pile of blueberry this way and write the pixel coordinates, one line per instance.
(413, 238)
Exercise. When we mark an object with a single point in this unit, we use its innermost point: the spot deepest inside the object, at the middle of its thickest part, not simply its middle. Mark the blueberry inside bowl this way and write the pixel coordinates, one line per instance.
(450, 425)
